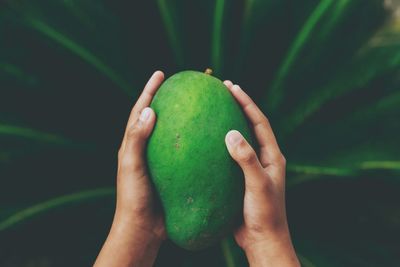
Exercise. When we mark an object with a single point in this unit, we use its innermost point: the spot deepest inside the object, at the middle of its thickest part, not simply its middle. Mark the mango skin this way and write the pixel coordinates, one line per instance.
(200, 187)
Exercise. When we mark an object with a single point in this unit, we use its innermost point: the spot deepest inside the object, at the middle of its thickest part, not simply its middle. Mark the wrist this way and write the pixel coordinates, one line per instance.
(272, 251)
(130, 228)
(128, 245)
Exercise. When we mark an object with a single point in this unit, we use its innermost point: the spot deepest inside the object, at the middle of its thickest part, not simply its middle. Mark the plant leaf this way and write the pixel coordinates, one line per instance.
(328, 49)
(217, 37)
(172, 33)
(232, 253)
(305, 261)
(227, 252)
(302, 173)
(58, 202)
(28, 133)
(356, 75)
(384, 105)
(275, 92)
(320, 170)
(17, 73)
(80, 51)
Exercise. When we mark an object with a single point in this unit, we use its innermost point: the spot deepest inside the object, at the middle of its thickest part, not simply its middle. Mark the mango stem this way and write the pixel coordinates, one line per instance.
(208, 71)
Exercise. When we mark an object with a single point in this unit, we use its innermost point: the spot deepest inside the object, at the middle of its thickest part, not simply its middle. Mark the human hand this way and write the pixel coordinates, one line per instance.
(138, 226)
(264, 234)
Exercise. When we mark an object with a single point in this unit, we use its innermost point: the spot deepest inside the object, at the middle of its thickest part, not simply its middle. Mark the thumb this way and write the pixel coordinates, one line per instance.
(136, 138)
(241, 151)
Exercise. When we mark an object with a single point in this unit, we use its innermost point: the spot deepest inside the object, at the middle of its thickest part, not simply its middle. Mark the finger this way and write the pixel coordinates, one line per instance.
(144, 100)
(146, 96)
(228, 83)
(241, 151)
(269, 149)
(132, 156)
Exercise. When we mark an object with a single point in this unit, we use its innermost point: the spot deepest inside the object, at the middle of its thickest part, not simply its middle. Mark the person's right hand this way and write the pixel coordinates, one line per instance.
(264, 234)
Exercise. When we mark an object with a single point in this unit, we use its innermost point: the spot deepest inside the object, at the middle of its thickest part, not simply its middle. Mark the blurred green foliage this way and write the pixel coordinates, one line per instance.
(326, 72)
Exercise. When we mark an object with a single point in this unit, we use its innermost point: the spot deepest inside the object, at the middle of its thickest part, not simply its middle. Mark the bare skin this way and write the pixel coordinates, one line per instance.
(264, 234)
(138, 226)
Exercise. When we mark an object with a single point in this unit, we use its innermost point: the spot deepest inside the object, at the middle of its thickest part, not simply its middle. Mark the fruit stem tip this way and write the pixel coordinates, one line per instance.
(208, 71)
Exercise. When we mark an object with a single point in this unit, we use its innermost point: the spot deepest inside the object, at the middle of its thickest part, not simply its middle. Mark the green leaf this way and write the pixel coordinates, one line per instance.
(80, 51)
(260, 44)
(227, 252)
(380, 165)
(339, 10)
(247, 30)
(302, 173)
(356, 134)
(276, 91)
(320, 170)
(217, 37)
(305, 262)
(328, 49)
(55, 203)
(382, 106)
(171, 28)
(28, 133)
(356, 75)
(17, 73)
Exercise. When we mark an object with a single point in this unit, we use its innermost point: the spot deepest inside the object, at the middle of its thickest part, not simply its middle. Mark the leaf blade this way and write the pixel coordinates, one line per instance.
(354, 76)
(306, 173)
(80, 51)
(17, 73)
(172, 33)
(227, 253)
(216, 45)
(28, 133)
(275, 92)
(54, 203)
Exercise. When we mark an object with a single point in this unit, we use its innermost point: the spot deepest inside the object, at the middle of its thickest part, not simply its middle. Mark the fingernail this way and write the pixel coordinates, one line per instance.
(234, 137)
(145, 115)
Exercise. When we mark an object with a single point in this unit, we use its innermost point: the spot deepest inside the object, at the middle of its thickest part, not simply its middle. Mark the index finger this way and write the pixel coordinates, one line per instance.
(144, 100)
(269, 149)
(146, 96)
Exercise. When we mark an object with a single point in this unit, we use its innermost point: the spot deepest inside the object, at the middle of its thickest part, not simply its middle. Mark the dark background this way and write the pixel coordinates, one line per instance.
(325, 72)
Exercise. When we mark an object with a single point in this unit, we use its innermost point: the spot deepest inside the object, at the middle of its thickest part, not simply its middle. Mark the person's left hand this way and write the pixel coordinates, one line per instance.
(135, 197)
(138, 227)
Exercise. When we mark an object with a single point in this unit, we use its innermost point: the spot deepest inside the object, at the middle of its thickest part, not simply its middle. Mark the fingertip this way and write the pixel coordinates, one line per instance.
(145, 114)
(157, 76)
(152, 114)
(228, 83)
(241, 151)
(233, 138)
(147, 118)
(152, 86)
(236, 88)
(159, 73)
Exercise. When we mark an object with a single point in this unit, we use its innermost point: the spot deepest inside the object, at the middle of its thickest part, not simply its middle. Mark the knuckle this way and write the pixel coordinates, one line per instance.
(129, 165)
(281, 160)
(125, 162)
(265, 119)
(133, 132)
(266, 184)
(263, 185)
(247, 155)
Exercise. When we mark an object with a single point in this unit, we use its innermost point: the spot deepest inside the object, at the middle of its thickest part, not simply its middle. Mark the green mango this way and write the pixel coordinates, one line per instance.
(200, 186)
